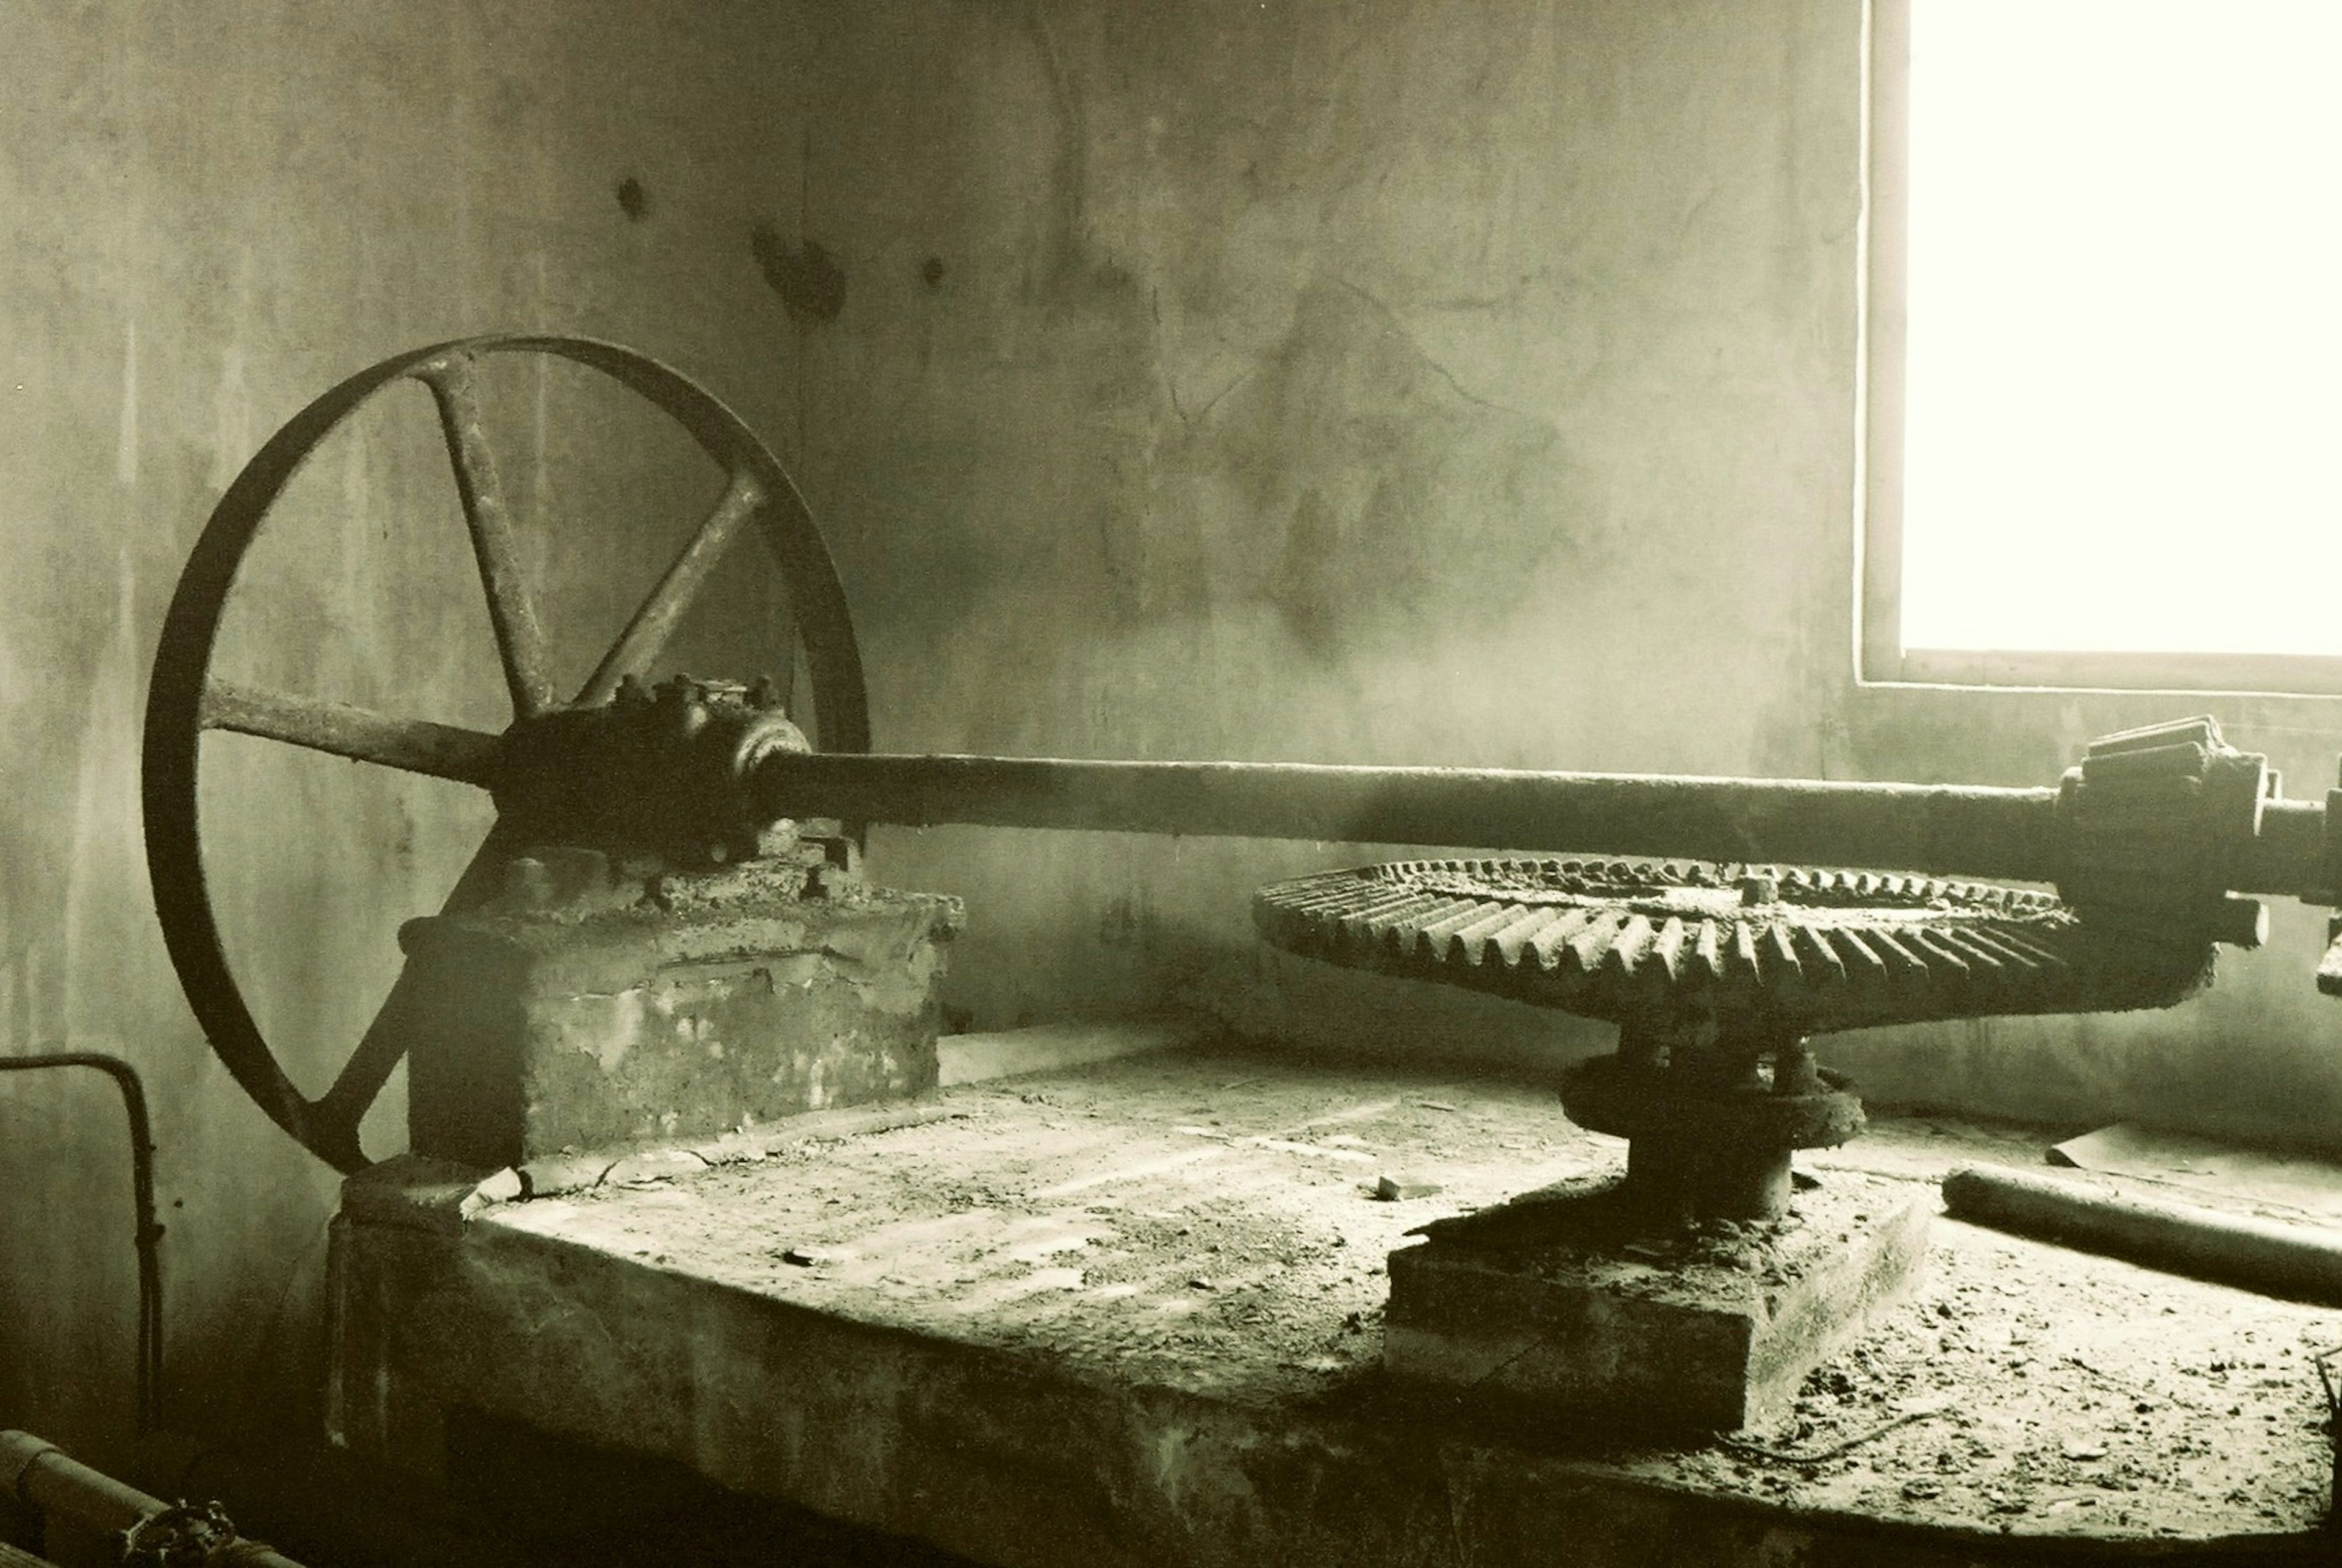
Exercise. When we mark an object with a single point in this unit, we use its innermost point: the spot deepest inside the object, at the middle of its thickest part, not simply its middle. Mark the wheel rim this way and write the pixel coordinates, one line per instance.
(183, 700)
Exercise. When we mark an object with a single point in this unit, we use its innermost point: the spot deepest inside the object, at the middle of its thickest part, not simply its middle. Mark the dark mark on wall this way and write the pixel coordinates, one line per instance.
(634, 200)
(810, 284)
(931, 272)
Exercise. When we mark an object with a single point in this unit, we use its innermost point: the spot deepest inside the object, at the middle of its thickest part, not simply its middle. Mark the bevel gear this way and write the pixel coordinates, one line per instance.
(1715, 975)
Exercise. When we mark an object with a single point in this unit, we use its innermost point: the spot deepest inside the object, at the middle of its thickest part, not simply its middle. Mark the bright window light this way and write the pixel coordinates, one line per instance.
(2123, 395)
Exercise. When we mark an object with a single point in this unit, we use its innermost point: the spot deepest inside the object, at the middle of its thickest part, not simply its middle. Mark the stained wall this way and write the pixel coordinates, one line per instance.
(1410, 385)
(214, 213)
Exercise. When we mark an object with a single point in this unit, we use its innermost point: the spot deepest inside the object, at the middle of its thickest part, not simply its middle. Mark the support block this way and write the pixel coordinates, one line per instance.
(701, 1004)
(1569, 1302)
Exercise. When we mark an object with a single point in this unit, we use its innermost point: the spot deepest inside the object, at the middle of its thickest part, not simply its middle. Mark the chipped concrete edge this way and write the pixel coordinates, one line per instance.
(418, 1192)
(580, 1171)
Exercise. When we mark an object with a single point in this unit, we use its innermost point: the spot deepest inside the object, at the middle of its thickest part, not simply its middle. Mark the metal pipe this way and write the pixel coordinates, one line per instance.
(2302, 1261)
(1967, 830)
(147, 1375)
(42, 1477)
(333, 1505)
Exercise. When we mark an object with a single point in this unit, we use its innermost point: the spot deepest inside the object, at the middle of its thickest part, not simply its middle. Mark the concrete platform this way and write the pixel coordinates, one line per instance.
(1131, 1314)
(1573, 1305)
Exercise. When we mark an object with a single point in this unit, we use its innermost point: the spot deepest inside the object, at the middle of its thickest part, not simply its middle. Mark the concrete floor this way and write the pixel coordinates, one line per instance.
(1129, 1313)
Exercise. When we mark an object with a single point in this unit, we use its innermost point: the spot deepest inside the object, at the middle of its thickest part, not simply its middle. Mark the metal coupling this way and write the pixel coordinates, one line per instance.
(154, 1534)
(2157, 823)
(181, 1536)
(662, 770)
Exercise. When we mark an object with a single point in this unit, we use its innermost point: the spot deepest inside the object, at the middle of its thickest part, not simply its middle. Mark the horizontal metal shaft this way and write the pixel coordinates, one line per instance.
(1963, 830)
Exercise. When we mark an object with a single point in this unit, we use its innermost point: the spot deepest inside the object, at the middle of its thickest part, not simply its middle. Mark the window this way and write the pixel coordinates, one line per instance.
(2105, 318)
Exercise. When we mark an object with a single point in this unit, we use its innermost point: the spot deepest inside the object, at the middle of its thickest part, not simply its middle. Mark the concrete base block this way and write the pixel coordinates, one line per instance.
(1564, 1302)
(731, 1003)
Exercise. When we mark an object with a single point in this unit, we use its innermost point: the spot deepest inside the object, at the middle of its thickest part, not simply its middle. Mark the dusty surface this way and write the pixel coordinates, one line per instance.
(1203, 1222)
(1581, 1233)
(1583, 1305)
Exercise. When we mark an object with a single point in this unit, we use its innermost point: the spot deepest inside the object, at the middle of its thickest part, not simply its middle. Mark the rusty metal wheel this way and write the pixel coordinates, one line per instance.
(184, 700)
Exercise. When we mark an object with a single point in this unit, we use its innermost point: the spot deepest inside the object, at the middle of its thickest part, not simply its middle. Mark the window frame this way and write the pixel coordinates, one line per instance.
(1881, 659)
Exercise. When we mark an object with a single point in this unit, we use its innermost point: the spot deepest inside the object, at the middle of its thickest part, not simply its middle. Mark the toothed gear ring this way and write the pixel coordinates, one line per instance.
(1715, 975)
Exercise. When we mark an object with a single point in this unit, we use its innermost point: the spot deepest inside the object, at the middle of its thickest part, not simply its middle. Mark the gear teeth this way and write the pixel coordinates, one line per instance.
(1816, 958)
(1358, 918)
(1514, 939)
(1707, 953)
(1429, 940)
(1741, 956)
(2025, 964)
(1668, 948)
(1331, 898)
(1942, 957)
(1864, 969)
(1982, 967)
(1435, 907)
(1471, 946)
(1905, 970)
(1550, 946)
(1777, 950)
(1385, 936)
(1627, 948)
(1984, 961)
(1375, 927)
(1828, 950)
(1584, 952)
(2049, 959)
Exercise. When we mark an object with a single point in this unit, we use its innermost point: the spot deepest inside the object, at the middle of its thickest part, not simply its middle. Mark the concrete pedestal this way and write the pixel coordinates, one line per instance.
(1568, 1304)
(686, 1009)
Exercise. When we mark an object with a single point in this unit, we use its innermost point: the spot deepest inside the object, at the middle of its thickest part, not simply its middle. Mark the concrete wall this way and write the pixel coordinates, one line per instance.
(1401, 384)
(1396, 381)
(214, 213)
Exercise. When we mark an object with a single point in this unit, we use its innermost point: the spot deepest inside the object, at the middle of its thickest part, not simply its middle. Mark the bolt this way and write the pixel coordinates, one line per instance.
(679, 701)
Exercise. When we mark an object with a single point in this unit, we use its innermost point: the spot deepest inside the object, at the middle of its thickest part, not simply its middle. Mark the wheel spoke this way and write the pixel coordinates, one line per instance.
(655, 621)
(519, 639)
(411, 746)
(182, 702)
(344, 1105)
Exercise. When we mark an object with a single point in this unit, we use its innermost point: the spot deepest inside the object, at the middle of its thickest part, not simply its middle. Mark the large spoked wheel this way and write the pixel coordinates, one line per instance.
(184, 701)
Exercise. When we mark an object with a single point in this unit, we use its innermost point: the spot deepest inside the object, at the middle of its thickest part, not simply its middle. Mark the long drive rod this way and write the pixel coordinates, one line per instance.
(1963, 830)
